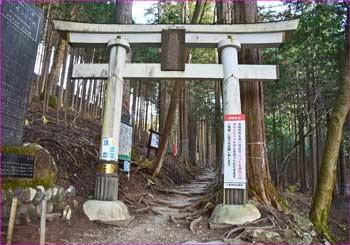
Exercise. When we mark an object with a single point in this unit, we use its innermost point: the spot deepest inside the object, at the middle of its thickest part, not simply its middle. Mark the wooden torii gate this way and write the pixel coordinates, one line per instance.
(228, 39)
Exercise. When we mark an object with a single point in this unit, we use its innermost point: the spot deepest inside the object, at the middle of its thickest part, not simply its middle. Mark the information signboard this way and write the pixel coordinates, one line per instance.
(17, 166)
(153, 139)
(125, 142)
(234, 152)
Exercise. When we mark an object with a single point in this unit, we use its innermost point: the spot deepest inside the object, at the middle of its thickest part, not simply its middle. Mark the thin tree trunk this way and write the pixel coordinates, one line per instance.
(323, 197)
(342, 171)
(60, 92)
(275, 156)
(158, 161)
(218, 125)
(348, 142)
(68, 94)
(133, 103)
(55, 72)
(193, 132)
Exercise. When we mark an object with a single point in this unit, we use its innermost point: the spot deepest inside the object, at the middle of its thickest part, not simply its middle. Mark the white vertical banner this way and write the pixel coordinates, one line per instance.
(234, 152)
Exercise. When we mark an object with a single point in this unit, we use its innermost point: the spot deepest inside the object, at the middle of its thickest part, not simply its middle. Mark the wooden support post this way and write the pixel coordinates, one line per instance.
(173, 50)
(12, 219)
(43, 221)
(231, 100)
(106, 187)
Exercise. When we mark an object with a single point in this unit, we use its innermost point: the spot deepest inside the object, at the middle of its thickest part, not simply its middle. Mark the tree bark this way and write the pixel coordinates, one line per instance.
(60, 91)
(69, 91)
(275, 156)
(223, 17)
(158, 161)
(55, 72)
(218, 125)
(323, 197)
(193, 132)
(342, 171)
(348, 142)
(260, 186)
(124, 16)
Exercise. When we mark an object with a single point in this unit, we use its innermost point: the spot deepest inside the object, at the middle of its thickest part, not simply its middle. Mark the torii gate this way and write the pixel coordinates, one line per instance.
(228, 39)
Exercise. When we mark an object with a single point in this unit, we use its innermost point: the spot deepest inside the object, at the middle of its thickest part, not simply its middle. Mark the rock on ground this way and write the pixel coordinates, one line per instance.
(233, 215)
(107, 212)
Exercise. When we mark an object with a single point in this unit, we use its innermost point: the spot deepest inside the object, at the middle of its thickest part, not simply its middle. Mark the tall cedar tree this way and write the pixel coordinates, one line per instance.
(260, 186)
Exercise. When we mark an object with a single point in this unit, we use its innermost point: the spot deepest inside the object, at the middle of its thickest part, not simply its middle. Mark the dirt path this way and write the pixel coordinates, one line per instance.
(157, 228)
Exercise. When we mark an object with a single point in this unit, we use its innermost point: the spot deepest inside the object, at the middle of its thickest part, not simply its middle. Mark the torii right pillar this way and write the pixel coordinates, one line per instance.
(234, 210)
(234, 127)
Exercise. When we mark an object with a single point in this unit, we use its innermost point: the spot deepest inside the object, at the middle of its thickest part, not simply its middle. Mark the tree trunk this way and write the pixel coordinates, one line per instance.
(69, 91)
(348, 142)
(193, 132)
(283, 183)
(342, 171)
(312, 144)
(218, 125)
(124, 16)
(46, 54)
(260, 186)
(223, 17)
(325, 184)
(158, 161)
(133, 108)
(55, 72)
(184, 121)
(60, 92)
(275, 156)
(223, 12)
(163, 103)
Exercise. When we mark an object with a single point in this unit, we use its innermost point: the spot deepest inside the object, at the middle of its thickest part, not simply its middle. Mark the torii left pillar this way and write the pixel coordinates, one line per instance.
(106, 186)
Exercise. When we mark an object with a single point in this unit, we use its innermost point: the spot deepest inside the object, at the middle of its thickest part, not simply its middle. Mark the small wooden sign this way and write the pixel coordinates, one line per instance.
(17, 166)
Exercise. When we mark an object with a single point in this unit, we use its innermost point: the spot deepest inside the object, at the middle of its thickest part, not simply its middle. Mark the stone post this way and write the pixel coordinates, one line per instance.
(228, 49)
(106, 187)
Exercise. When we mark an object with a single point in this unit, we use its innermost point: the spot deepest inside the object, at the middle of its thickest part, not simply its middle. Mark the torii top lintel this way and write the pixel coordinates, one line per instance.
(260, 35)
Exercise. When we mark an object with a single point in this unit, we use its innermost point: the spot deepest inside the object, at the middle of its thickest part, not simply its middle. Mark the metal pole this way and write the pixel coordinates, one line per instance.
(107, 178)
(228, 49)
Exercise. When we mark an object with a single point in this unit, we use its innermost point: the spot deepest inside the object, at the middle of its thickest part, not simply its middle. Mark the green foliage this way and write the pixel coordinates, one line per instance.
(93, 12)
(292, 188)
(53, 101)
(310, 65)
(134, 153)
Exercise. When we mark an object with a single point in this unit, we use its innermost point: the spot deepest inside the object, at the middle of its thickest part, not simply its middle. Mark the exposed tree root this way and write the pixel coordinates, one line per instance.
(249, 225)
(143, 209)
(194, 223)
(172, 218)
(167, 191)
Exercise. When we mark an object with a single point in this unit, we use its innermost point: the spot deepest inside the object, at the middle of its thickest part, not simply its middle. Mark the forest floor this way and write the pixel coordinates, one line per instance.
(161, 222)
(338, 217)
(147, 227)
